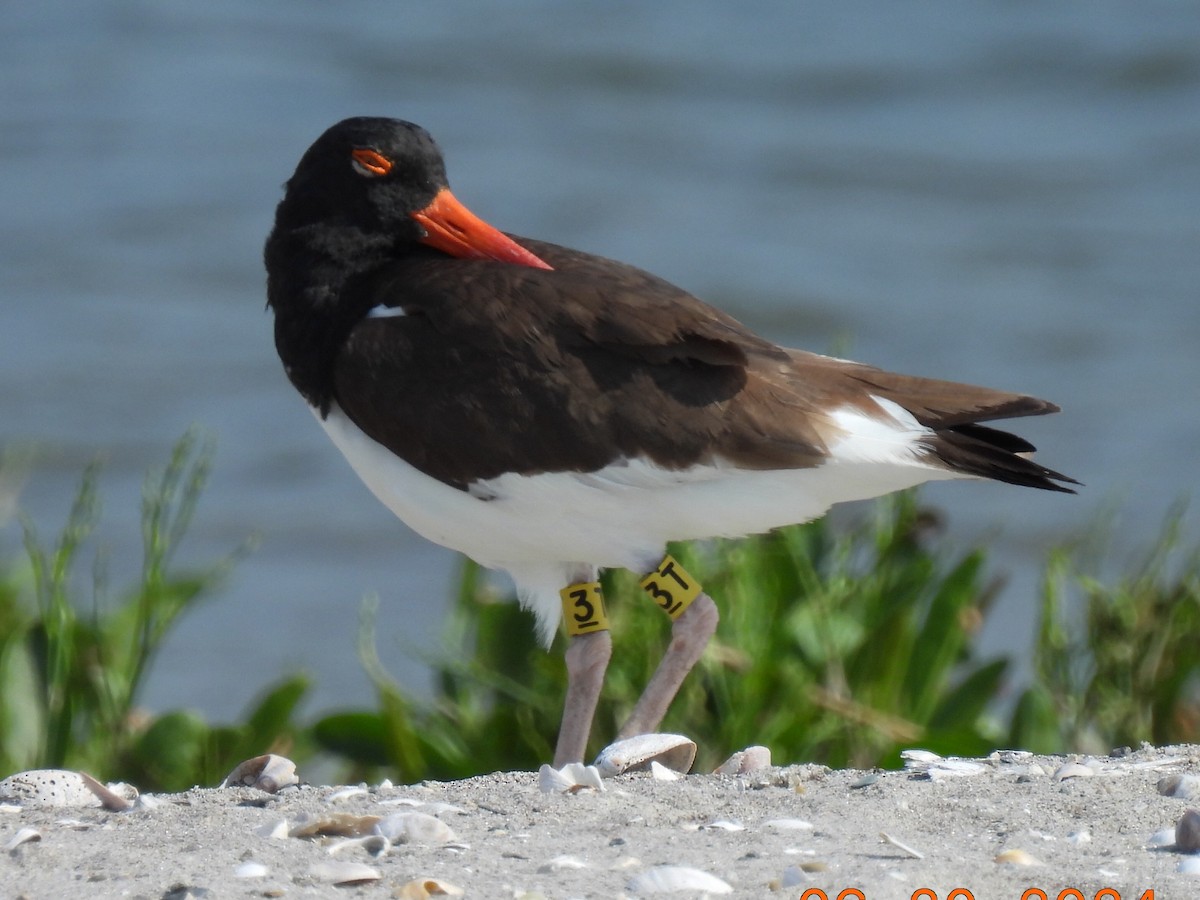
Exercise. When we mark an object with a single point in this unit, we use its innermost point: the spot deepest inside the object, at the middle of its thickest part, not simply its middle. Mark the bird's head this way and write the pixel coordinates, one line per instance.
(385, 180)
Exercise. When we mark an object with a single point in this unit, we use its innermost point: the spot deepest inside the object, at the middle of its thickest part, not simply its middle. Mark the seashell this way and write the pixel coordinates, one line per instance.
(561, 862)
(1187, 832)
(402, 801)
(1083, 836)
(343, 873)
(1164, 837)
(333, 825)
(1017, 857)
(9, 808)
(788, 824)
(251, 869)
(752, 759)
(668, 879)
(919, 758)
(415, 828)
(147, 802)
(955, 768)
(888, 839)
(633, 754)
(1073, 770)
(346, 793)
(61, 787)
(661, 772)
(569, 779)
(865, 781)
(23, 836)
(440, 809)
(793, 876)
(423, 888)
(385, 785)
(268, 773)
(273, 830)
(1009, 756)
(1189, 865)
(374, 844)
(1185, 787)
(723, 825)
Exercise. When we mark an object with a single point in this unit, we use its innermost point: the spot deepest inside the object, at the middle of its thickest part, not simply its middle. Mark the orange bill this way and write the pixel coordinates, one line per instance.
(454, 229)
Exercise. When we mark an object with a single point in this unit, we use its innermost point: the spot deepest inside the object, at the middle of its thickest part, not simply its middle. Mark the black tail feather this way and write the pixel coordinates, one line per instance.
(995, 454)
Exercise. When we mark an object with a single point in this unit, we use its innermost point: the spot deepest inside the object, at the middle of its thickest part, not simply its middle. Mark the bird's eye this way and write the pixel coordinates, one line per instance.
(370, 163)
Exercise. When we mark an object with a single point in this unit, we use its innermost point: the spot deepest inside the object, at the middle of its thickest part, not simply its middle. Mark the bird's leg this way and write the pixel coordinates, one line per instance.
(689, 636)
(696, 616)
(587, 659)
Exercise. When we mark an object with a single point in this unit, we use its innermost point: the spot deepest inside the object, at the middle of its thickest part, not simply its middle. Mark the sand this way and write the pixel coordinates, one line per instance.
(797, 831)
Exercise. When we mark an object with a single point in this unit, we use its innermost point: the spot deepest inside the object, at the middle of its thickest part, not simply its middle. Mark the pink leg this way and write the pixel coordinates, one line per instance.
(689, 636)
(587, 658)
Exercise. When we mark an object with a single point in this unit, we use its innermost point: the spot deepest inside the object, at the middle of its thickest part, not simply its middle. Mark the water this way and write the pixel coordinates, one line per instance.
(1004, 194)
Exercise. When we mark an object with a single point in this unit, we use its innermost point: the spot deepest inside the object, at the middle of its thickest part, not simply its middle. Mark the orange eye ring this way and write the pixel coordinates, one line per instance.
(370, 162)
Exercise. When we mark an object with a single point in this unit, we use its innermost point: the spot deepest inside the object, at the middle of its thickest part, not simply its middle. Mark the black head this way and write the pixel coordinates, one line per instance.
(368, 172)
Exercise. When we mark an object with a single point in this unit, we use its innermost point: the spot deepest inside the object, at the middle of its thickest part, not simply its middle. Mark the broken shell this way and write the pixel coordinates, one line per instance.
(273, 830)
(1189, 865)
(1073, 770)
(667, 879)
(1082, 836)
(61, 787)
(268, 773)
(374, 844)
(570, 778)
(346, 793)
(343, 873)
(899, 845)
(21, 837)
(661, 772)
(251, 869)
(789, 824)
(752, 759)
(423, 888)
(1164, 837)
(1185, 787)
(415, 828)
(674, 751)
(333, 825)
(723, 825)
(917, 758)
(1017, 857)
(562, 862)
(1187, 832)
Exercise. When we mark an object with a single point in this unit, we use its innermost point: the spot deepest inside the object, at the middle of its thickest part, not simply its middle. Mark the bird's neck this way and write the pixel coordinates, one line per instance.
(317, 285)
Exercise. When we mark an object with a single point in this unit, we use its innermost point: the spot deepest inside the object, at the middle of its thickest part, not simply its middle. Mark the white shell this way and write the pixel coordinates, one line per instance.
(723, 825)
(668, 879)
(674, 751)
(562, 862)
(746, 761)
(1073, 770)
(373, 844)
(343, 872)
(899, 845)
(917, 758)
(789, 824)
(661, 772)
(1082, 836)
(1164, 837)
(23, 836)
(571, 777)
(273, 830)
(415, 828)
(251, 869)
(268, 773)
(346, 793)
(1189, 865)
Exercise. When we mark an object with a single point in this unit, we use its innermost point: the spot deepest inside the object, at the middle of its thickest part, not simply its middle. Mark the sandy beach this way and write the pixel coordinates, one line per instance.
(1008, 827)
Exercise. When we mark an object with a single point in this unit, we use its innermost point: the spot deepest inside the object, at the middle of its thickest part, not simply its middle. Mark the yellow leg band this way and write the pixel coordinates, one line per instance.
(583, 608)
(671, 587)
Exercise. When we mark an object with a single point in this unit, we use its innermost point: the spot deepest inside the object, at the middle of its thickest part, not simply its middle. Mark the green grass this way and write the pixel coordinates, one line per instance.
(72, 664)
(838, 644)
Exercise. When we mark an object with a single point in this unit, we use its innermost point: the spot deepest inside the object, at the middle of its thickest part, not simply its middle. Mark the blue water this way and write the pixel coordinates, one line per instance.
(1006, 193)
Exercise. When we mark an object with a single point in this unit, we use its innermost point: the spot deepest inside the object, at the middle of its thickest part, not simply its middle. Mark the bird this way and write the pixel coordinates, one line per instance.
(551, 413)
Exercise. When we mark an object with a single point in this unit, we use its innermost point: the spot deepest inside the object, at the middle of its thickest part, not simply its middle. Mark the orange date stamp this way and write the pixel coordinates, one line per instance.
(1032, 893)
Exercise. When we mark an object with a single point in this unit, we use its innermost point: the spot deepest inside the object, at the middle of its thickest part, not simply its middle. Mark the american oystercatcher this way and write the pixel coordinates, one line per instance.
(551, 413)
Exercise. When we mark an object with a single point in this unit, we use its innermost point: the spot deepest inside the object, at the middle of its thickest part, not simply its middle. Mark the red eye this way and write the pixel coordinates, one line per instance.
(370, 162)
